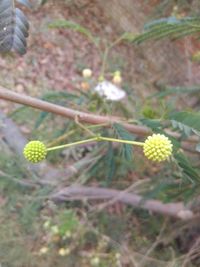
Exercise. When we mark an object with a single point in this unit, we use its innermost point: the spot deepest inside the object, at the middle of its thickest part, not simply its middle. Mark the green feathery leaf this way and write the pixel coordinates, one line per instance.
(185, 120)
(127, 150)
(168, 27)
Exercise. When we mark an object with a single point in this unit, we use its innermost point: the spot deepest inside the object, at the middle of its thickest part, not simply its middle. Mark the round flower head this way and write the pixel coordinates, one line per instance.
(35, 151)
(157, 147)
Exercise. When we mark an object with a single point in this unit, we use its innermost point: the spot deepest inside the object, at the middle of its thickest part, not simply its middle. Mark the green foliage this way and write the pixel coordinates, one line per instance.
(67, 222)
(186, 121)
(121, 133)
(175, 91)
(74, 26)
(190, 172)
(61, 98)
(168, 27)
(105, 167)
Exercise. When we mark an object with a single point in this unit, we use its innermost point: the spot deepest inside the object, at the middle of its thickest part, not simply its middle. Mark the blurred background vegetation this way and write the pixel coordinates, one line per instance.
(153, 45)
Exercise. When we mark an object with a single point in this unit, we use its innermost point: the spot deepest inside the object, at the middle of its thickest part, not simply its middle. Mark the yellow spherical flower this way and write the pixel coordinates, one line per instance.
(157, 147)
(35, 151)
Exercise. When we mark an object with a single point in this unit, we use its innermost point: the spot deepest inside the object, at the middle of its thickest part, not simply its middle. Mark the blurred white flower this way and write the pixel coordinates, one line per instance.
(110, 91)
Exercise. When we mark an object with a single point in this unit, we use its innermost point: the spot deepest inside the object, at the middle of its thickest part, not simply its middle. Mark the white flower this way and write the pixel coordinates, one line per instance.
(110, 91)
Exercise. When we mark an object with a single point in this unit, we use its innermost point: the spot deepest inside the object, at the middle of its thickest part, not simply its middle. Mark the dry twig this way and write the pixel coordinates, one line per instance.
(177, 210)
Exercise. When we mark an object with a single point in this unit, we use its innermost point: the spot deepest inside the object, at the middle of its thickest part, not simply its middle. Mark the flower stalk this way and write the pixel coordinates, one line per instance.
(157, 147)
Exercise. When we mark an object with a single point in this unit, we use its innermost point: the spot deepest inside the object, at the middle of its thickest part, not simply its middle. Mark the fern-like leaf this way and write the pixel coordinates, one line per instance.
(127, 150)
(168, 27)
(13, 27)
(186, 121)
(76, 27)
(175, 90)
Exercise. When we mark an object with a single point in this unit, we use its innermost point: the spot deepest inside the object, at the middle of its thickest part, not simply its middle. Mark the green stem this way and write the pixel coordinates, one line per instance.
(102, 138)
(105, 56)
(73, 144)
(106, 53)
(83, 127)
(97, 138)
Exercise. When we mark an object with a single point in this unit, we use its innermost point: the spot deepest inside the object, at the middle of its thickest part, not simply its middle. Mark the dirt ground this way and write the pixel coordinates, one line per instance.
(56, 57)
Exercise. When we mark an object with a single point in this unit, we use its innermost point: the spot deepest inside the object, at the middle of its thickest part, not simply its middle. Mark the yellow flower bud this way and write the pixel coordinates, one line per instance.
(117, 79)
(157, 147)
(35, 151)
(85, 86)
(117, 256)
(43, 250)
(87, 73)
(117, 73)
(54, 229)
(63, 252)
(46, 224)
(95, 261)
(196, 56)
(68, 234)
(101, 78)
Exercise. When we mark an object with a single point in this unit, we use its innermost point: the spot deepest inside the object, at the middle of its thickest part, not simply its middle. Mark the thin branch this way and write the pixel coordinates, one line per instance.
(67, 112)
(177, 210)
(82, 116)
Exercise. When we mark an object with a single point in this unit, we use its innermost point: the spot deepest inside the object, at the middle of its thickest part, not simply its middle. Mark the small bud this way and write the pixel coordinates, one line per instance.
(175, 8)
(85, 86)
(54, 229)
(117, 256)
(196, 57)
(95, 261)
(68, 234)
(117, 79)
(101, 78)
(43, 250)
(117, 73)
(63, 252)
(87, 73)
(46, 224)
